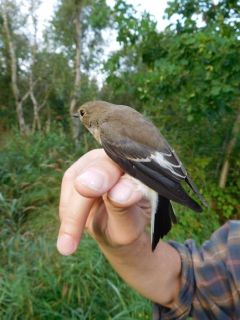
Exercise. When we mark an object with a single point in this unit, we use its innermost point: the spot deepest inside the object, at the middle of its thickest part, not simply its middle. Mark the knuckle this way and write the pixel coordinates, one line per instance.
(68, 175)
(69, 219)
(116, 208)
(69, 224)
(62, 210)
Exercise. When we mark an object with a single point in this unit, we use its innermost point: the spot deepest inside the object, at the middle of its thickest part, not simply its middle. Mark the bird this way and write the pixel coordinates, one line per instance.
(135, 144)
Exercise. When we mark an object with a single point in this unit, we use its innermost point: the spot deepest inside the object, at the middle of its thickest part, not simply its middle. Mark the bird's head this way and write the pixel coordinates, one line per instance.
(92, 114)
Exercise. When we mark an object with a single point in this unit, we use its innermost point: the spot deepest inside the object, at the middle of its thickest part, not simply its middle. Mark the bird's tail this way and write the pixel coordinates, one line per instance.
(165, 186)
(195, 190)
(163, 219)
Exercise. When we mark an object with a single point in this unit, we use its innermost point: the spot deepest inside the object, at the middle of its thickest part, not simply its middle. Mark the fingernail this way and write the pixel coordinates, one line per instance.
(92, 179)
(121, 192)
(66, 244)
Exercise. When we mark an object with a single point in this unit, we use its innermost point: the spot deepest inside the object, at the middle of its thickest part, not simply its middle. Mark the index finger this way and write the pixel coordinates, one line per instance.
(67, 187)
(75, 205)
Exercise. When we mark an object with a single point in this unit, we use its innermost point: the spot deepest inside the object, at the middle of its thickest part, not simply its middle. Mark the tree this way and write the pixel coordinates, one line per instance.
(186, 76)
(221, 23)
(76, 29)
(6, 7)
(20, 55)
(36, 124)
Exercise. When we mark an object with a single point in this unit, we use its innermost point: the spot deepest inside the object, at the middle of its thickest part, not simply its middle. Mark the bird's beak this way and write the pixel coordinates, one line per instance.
(75, 115)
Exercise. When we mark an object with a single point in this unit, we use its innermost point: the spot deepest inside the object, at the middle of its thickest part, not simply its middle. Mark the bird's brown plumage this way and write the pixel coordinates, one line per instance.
(137, 146)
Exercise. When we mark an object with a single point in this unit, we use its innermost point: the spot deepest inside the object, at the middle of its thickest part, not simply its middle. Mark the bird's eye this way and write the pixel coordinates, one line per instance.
(82, 113)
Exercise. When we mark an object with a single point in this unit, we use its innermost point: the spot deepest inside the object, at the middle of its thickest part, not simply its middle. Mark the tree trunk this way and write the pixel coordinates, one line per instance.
(76, 129)
(48, 122)
(20, 116)
(229, 150)
(36, 118)
(13, 62)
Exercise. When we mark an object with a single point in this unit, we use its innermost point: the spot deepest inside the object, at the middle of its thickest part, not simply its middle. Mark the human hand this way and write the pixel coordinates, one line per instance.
(96, 196)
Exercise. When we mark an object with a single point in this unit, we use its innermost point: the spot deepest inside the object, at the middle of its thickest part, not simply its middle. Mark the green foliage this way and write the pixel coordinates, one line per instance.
(226, 203)
(223, 14)
(194, 226)
(36, 282)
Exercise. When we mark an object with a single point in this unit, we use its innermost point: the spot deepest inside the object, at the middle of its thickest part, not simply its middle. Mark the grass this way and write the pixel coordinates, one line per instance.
(35, 281)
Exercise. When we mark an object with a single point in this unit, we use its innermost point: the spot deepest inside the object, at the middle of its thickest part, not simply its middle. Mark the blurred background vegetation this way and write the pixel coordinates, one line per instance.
(186, 78)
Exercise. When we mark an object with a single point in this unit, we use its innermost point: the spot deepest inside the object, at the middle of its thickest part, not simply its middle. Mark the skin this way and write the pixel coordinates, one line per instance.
(98, 198)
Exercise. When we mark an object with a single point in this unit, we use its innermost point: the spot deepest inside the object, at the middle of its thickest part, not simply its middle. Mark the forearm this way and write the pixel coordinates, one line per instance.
(155, 275)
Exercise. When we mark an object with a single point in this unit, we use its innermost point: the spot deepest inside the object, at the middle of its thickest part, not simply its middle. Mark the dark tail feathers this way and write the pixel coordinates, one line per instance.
(164, 217)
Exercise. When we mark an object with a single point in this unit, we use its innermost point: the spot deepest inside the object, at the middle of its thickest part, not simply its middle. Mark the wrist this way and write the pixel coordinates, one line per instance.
(155, 275)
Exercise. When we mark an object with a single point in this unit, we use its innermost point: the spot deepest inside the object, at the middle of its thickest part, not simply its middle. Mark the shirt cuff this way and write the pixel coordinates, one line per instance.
(182, 308)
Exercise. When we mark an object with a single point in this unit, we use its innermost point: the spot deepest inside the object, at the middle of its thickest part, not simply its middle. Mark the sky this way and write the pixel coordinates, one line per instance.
(155, 7)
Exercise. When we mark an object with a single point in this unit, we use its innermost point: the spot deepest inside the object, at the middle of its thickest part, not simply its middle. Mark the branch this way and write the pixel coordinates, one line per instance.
(30, 89)
(44, 102)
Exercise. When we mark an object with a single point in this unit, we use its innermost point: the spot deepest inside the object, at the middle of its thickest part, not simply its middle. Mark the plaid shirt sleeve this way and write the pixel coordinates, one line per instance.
(210, 278)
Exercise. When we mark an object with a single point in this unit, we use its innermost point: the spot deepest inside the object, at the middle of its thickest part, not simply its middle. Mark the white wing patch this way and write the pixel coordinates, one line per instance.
(148, 159)
(159, 158)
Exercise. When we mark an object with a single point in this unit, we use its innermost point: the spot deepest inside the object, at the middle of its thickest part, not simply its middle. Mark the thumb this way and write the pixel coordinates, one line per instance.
(128, 211)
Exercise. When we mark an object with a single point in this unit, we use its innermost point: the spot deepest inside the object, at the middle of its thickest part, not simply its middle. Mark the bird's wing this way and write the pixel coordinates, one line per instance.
(160, 170)
(164, 160)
